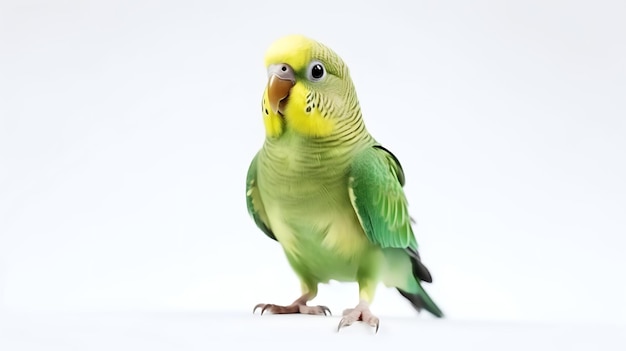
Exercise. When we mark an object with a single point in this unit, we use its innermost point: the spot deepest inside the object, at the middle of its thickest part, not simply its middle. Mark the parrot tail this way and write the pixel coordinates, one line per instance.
(421, 301)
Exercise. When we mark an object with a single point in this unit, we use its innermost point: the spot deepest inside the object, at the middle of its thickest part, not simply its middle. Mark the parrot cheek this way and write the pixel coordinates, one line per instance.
(304, 119)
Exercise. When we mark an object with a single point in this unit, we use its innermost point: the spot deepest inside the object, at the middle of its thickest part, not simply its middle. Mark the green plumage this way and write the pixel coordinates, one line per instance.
(333, 200)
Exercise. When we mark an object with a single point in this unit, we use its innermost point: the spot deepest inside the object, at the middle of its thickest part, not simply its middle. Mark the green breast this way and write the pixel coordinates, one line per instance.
(304, 187)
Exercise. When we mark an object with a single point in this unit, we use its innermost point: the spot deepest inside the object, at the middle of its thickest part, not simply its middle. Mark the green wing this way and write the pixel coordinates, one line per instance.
(253, 200)
(376, 180)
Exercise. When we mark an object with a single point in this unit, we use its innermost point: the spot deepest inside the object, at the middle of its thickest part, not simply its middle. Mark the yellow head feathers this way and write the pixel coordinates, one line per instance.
(321, 90)
(293, 49)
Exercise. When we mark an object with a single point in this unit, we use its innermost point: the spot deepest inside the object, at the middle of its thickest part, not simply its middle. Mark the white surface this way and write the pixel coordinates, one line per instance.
(202, 331)
(126, 129)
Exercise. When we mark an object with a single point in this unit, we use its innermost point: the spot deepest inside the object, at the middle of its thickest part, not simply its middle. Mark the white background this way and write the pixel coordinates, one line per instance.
(126, 129)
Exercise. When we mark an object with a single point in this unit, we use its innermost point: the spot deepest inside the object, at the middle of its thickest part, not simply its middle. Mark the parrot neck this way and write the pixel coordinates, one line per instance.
(296, 159)
(348, 137)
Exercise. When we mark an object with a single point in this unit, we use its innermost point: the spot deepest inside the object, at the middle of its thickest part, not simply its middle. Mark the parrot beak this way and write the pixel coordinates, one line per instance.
(281, 79)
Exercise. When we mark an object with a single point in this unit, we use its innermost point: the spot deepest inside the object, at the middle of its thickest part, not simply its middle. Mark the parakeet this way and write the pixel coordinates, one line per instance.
(326, 190)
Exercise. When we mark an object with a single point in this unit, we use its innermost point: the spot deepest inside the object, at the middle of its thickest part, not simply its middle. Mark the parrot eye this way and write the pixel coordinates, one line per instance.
(316, 71)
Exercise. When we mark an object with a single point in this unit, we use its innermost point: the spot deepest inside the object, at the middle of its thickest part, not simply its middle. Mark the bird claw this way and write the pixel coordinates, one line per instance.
(294, 308)
(346, 322)
(326, 310)
(262, 306)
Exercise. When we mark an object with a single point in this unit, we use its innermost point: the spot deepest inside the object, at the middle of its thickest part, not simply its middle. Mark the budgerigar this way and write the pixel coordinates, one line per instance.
(326, 190)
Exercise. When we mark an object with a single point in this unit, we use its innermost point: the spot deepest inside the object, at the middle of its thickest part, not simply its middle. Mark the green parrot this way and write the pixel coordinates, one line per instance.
(324, 189)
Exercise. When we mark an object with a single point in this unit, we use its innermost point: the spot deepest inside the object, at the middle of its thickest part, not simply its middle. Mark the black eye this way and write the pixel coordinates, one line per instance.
(316, 71)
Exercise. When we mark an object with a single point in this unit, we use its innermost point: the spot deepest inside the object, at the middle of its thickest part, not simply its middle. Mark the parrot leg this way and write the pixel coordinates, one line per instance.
(367, 280)
(360, 313)
(298, 306)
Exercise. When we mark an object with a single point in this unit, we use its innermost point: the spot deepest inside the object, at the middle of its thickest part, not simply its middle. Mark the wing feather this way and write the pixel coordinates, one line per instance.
(375, 188)
(378, 198)
(256, 209)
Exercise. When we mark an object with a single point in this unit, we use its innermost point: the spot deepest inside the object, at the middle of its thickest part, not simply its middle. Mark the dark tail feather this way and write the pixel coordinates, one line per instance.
(422, 301)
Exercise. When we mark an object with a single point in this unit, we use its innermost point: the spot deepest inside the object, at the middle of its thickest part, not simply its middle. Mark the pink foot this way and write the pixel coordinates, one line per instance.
(293, 308)
(360, 313)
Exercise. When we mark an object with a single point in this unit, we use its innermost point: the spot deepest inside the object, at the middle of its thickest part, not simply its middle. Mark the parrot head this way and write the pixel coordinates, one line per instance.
(309, 89)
